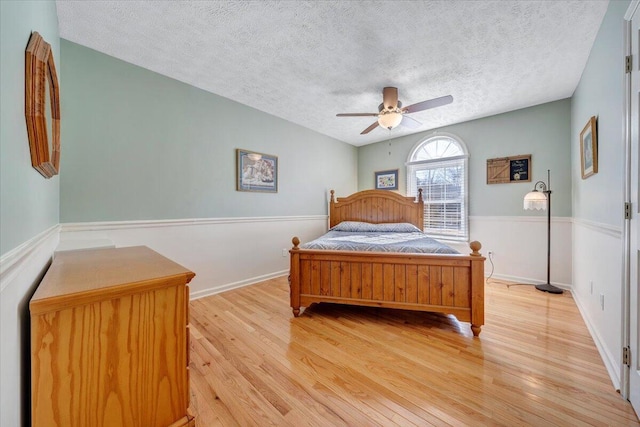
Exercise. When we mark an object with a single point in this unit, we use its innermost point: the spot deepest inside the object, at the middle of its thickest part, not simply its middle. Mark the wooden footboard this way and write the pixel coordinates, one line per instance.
(452, 284)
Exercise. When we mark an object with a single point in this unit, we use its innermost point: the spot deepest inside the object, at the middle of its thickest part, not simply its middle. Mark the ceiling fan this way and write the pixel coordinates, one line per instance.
(391, 113)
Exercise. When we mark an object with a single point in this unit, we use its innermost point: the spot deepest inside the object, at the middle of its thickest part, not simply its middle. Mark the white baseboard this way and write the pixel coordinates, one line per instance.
(526, 280)
(610, 363)
(242, 283)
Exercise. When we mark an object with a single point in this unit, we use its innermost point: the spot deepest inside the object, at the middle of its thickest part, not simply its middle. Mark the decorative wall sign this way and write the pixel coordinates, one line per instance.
(589, 149)
(509, 169)
(387, 180)
(256, 172)
(40, 106)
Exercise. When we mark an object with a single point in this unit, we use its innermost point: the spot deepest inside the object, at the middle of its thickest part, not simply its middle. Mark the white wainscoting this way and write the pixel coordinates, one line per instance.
(597, 260)
(21, 270)
(519, 246)
(225, 253)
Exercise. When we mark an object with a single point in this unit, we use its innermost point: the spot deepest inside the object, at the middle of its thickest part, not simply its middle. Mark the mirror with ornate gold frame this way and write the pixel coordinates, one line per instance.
(40, 74)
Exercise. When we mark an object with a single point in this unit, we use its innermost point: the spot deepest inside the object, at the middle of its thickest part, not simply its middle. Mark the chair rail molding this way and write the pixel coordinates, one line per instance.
(115, 225)
(11, 263)
(611, 230)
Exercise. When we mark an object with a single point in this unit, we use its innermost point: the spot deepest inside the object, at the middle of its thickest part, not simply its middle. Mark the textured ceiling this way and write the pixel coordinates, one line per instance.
(307, 61)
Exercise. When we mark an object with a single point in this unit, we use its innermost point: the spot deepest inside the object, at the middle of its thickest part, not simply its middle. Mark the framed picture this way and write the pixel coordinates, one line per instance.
(387, 180)
(509, 169)
(42, 106)
(589, 149)
(256, 172)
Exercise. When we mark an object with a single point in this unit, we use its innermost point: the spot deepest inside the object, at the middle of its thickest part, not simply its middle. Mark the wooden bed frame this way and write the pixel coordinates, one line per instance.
(444, 283)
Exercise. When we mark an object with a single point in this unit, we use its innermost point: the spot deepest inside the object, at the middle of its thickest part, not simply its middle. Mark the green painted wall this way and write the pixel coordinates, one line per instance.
(141, 146)
(542, 131)
(29, 204)
(597, 247)
(600, 93)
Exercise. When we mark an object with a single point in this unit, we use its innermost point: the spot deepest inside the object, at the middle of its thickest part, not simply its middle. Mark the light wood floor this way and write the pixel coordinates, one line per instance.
(253, 364)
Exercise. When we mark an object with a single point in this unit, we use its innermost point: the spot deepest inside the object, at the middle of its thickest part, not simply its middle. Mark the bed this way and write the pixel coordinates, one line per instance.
(435, 282)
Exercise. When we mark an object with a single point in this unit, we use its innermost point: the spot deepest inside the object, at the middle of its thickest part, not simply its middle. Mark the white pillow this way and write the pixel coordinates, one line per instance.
(367, 227)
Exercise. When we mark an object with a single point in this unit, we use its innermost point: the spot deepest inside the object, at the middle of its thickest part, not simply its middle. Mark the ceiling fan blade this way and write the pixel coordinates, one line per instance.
(390, 97)
(432, 103)
(410, 122)
(357, 115)
(370, 128)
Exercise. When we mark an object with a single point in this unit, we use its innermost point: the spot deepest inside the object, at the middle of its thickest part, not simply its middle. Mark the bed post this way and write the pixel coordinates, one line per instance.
(332, 209)
(294, 275)
(420, 221)
(477, 288)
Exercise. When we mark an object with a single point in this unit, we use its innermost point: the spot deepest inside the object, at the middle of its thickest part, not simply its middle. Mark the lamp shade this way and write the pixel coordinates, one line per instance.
(389, 120)
(535, 200)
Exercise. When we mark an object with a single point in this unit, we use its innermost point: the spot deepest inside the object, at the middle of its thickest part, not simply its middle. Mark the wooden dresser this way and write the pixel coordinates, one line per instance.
(110, 341)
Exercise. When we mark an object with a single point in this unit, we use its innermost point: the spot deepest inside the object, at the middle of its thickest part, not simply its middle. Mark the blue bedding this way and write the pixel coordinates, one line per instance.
(361, 236)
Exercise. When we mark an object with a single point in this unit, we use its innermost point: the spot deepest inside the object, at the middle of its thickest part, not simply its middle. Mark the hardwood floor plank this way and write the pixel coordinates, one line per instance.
(393, 375)
(314, 398)
(204, 401)
(253, 364)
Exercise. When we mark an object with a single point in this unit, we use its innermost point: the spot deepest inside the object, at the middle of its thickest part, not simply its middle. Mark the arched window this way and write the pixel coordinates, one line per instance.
(438, 165)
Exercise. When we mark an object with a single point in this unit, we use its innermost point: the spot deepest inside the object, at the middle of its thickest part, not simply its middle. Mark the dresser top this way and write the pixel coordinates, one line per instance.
(82, 277)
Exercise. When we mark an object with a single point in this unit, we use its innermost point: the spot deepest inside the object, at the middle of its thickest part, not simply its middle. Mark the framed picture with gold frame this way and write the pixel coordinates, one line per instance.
(589, 149)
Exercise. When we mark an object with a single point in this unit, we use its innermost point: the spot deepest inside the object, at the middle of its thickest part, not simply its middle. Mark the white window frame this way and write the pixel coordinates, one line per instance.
(413, 165)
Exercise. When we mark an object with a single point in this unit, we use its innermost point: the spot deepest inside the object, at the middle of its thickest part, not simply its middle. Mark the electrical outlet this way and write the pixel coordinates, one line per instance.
(285, 252)
(491, 254)
(602, 301)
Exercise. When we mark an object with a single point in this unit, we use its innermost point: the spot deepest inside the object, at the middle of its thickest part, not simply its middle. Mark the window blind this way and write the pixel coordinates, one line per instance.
(443, 191)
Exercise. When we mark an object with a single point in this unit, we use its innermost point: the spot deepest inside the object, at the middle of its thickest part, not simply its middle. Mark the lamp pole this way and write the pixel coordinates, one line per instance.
(546, 190)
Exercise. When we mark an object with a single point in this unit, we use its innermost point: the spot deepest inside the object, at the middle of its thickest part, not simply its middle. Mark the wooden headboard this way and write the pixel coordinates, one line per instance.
(377, 206)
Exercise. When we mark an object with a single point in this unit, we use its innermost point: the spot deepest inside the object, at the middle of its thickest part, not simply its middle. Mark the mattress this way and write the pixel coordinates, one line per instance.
(362, 236)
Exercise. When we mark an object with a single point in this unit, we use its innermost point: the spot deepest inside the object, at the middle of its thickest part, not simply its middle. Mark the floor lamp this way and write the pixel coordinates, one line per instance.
(542, 200)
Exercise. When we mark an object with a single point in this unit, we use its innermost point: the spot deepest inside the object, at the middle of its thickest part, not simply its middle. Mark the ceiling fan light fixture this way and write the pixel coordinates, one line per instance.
(389, 120)
(391, 113)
